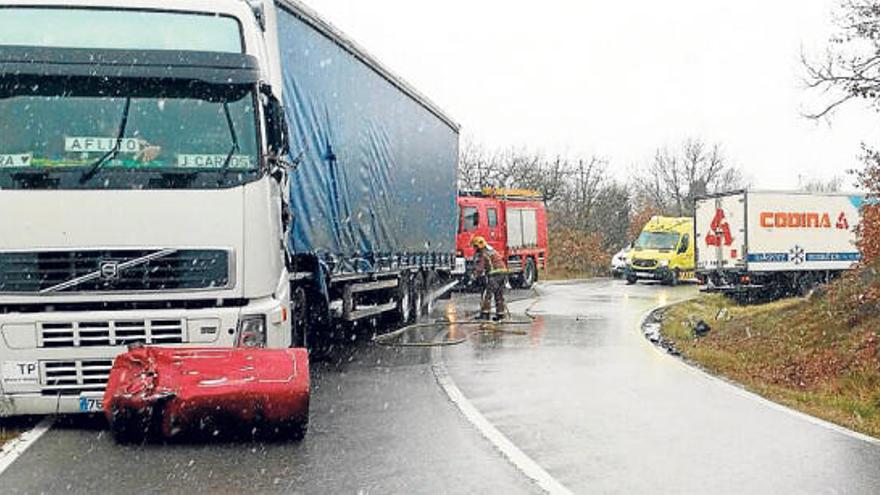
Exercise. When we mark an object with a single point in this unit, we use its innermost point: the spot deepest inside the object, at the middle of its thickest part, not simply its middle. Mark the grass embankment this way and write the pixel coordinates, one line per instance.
(817, 355)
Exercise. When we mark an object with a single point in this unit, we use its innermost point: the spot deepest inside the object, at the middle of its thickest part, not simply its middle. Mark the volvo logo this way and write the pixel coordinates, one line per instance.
(109, 270)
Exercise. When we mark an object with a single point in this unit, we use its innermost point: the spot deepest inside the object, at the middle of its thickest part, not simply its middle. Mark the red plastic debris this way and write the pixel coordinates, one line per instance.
(165, 391)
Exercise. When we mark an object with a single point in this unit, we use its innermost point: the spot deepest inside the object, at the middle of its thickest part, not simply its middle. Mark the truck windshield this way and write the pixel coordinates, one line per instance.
(78, 27)
(657, 240)
(114, 142)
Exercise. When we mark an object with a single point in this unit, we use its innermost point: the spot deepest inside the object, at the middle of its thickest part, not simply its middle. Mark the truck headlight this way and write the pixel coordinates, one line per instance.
(251, 331)
(664, 263)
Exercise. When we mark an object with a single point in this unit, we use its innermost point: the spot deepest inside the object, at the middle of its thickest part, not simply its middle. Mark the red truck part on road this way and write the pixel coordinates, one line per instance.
(513, 222)
(165, 391)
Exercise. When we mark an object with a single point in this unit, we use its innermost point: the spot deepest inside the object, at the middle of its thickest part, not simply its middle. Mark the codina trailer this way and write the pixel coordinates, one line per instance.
(203, 173)
(770, 244)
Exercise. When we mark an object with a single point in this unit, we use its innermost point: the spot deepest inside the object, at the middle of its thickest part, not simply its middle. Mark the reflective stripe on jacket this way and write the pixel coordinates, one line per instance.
(489, 261)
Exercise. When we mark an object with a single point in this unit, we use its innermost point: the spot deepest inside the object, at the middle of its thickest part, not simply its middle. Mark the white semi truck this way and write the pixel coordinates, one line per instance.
(770, 244)
(203, 173)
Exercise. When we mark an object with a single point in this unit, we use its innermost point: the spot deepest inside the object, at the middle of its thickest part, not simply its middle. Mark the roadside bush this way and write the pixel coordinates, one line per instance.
(869, 230)
(575, 253)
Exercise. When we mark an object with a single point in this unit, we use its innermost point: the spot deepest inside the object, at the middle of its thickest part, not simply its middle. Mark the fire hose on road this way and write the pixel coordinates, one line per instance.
(393, 339)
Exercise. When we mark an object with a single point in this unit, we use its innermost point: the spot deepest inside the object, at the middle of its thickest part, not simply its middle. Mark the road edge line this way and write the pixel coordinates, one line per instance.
(744, 392)
(522, 462)
(17, 446)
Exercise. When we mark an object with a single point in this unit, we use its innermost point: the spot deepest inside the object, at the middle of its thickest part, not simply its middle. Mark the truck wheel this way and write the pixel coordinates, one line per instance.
(526, 279)
(299, 318)
(530, 274)
(429, 287)
(404, 299)
(128, 427)
(418, 297)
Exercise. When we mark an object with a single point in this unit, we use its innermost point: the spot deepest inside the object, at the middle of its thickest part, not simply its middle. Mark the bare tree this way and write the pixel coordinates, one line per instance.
(511, 168)
(674, 179)
(851, 66)
(818, 185)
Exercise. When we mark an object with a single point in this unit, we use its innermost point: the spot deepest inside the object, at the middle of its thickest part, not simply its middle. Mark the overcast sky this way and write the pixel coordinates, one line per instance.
(620, 79)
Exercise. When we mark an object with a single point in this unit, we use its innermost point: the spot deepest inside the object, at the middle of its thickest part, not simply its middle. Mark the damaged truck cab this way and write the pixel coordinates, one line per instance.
(181, 174)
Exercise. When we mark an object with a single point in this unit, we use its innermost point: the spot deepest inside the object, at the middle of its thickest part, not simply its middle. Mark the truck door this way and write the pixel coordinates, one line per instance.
(469, 223)
(496, 236)
(720, 232)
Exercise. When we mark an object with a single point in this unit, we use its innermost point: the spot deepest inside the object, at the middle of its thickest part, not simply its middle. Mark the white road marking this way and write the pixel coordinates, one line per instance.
(16, 447)
(743, 392)
(517, 457)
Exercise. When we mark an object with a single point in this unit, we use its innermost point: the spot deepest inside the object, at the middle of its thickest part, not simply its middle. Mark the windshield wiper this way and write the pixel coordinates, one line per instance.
(234, 137)
(110, 155)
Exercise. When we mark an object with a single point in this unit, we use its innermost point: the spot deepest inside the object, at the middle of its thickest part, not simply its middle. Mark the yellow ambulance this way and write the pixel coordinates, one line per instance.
(664, 251)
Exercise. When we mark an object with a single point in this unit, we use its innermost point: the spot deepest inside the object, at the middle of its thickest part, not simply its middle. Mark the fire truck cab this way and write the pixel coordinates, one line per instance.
(513, 222)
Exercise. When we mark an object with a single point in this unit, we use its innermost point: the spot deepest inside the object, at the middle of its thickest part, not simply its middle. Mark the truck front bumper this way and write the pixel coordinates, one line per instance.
(59, 362)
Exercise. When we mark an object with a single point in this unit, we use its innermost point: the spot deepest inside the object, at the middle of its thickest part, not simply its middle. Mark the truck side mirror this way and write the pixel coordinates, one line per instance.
(276, 124)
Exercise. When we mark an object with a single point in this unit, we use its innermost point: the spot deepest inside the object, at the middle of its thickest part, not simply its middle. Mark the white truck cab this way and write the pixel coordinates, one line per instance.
(141, 193)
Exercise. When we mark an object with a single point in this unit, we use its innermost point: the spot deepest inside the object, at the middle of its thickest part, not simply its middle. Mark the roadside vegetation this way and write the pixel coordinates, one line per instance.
(818, 355)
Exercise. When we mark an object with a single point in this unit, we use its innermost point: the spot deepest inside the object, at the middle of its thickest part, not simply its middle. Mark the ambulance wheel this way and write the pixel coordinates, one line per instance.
(631, 279)
(674, 278)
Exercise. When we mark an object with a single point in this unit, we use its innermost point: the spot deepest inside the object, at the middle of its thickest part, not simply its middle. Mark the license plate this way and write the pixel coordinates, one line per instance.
(90, 404)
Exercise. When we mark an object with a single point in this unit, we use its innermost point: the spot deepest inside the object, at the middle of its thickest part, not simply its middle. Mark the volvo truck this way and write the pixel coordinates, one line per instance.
(212, 173)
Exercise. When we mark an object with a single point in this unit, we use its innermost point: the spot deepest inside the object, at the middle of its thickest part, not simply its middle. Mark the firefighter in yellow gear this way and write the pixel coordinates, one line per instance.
(490, 270)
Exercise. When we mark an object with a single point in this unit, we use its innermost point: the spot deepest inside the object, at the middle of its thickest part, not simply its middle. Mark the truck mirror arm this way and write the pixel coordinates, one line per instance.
(280, 166)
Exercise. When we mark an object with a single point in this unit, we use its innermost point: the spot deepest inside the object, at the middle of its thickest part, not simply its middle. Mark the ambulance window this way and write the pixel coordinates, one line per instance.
(470, 219)
(493, 217)
(685, 243)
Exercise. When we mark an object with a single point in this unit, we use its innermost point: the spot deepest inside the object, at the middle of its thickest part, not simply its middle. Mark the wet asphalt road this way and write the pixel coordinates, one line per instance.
(580, 392)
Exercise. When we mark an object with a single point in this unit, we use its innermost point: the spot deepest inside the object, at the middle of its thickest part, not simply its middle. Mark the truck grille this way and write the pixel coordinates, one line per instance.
(74, 377)
(113, 270)
(110, 333)
(644, 263)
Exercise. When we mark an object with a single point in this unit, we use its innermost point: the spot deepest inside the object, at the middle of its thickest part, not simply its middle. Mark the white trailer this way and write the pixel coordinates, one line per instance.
(775, 243)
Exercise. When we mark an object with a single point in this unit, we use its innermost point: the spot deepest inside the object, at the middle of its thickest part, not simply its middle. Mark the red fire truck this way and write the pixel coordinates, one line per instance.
(514, 222)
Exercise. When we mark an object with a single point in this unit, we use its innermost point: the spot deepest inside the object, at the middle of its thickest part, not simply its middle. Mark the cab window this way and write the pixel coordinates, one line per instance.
(492, 215)
(470, 219)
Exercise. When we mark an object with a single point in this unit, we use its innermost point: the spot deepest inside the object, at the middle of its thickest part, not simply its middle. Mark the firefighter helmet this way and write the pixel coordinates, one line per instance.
(478, 242)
